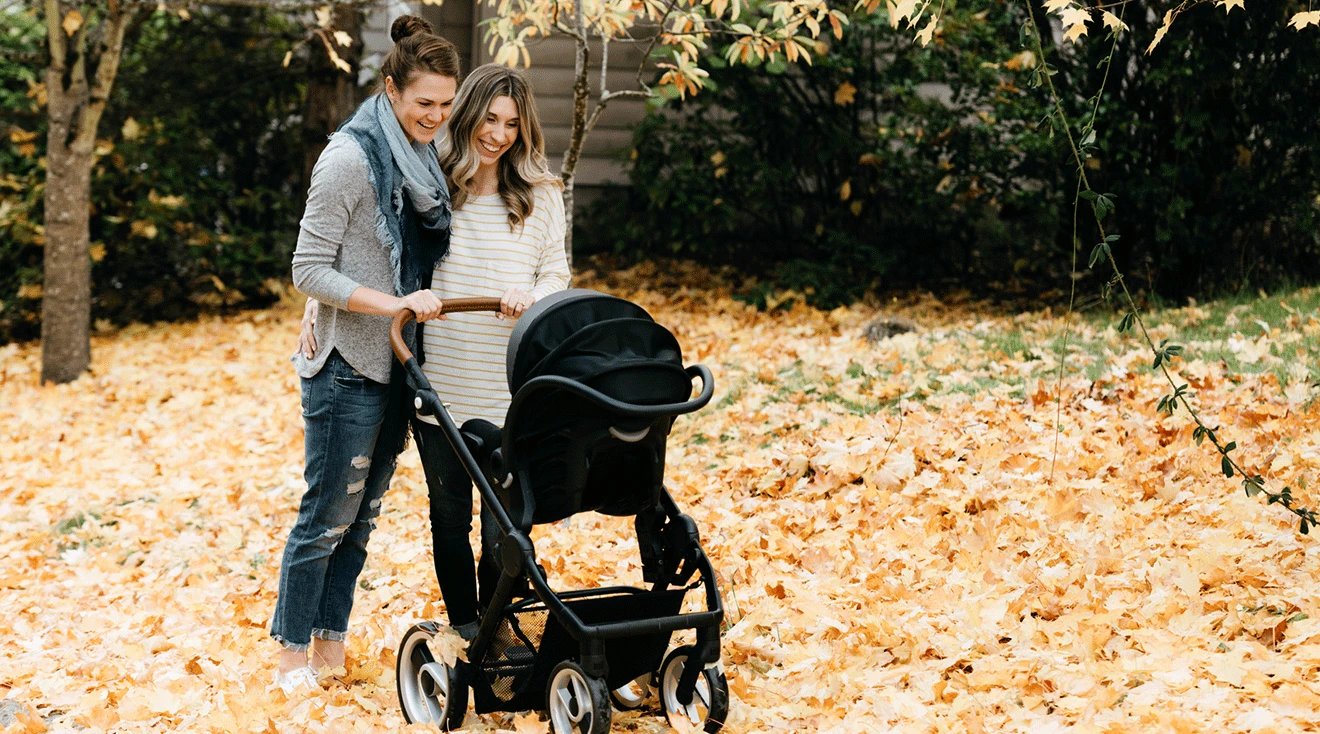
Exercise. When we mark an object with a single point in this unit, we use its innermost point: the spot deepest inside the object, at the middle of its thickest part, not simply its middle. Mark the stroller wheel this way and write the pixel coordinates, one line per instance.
(578, 703)
(710, 700)
(429, 690)
(633, 694)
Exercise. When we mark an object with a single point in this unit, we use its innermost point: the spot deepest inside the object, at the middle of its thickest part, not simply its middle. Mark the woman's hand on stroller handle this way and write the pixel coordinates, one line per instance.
(453, 305)
(423, 304)
(514, 302)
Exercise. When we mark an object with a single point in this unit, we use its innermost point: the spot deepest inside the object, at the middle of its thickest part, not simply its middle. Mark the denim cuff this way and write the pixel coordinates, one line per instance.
(330, 635)
(292, 646)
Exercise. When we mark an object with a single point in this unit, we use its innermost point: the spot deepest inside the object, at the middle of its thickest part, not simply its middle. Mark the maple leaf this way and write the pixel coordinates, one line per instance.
(926, 34)
(528, 724)
(845, 94)
(1302, 20)
(904, 9)
(1228, 5)
(1113, 21)
(1160, 33)
(1075, 19)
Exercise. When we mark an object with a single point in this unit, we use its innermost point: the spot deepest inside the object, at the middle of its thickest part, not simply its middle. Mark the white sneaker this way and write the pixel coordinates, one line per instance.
(290, 682)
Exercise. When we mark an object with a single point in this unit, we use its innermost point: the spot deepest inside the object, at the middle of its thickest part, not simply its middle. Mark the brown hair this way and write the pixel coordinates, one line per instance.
(522, 167)
(417, 50)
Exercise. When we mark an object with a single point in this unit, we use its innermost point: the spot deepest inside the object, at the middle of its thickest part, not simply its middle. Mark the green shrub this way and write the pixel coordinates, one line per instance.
(852, 173)
(193, 192)
(22, 141)
(944, 170)
(1210, 144)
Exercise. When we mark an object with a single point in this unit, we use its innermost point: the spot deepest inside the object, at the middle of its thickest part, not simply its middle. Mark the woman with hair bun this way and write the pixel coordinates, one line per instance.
(376, 224)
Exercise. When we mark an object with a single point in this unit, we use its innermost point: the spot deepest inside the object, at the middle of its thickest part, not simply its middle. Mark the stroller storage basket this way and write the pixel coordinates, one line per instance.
(530, 642)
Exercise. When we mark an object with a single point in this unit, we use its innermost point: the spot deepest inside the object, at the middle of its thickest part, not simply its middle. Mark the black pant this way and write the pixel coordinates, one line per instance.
(450, 490)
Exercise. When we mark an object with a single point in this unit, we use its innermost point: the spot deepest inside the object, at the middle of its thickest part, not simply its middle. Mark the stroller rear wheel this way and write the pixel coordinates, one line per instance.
(710, 700)
(577, 702)
(430, 691)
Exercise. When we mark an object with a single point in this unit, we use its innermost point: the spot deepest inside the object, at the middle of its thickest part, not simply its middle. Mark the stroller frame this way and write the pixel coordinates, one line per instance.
(671, 556)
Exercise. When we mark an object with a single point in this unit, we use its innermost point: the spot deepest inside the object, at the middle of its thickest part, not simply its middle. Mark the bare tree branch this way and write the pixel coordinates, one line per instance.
(59, 48)
(107, 66)
(630, 94)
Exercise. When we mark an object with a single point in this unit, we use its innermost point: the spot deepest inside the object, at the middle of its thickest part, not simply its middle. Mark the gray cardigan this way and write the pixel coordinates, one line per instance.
(338, 251)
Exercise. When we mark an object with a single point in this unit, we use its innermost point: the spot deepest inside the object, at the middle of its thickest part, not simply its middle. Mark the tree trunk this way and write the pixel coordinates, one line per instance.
(332, 93)
(75, 102)
(66, 305)
(581, 91)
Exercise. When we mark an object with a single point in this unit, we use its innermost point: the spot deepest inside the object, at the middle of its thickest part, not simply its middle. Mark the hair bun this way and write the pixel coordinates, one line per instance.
(409, 25)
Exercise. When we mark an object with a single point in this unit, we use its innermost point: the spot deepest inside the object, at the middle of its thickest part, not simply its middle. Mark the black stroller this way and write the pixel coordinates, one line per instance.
(596, 385)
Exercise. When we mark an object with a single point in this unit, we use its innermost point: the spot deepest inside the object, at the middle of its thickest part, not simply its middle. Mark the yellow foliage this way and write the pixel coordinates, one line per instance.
(846, 94)
(1302, 20)
(168, 202)
(73, 20)
(1161, 31)
(144, 228)
(906, 568)
(1074, 20)
(1022, 60)
(131, 130)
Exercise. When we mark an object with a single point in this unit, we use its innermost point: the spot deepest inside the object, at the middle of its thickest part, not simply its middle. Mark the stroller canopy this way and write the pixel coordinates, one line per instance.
(606, 342)
(571, 455)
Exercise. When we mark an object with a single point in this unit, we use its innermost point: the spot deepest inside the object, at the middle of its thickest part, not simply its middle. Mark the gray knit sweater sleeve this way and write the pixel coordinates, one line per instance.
(338, 182)
(339, 250)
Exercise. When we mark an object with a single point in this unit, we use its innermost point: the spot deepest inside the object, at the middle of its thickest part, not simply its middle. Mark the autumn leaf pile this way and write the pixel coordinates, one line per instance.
(898, 545)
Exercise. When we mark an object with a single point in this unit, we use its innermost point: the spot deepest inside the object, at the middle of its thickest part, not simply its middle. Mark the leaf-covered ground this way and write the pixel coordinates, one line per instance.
(899, 548)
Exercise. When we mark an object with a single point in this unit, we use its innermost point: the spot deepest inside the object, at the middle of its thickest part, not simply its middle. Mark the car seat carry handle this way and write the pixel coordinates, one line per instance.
(448, 305)
(630, 410)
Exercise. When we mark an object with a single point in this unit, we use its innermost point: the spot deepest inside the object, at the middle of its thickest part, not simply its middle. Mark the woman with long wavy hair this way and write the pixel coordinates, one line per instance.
(507, 241)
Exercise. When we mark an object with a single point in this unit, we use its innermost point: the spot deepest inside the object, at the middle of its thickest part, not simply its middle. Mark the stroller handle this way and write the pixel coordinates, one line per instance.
(449, 305)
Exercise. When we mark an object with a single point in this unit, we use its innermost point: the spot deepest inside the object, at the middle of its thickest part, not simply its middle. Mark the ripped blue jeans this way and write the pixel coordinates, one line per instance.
(346, 478)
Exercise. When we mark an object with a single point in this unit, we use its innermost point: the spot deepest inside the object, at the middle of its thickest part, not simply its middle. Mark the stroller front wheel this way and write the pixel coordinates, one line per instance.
(577, 702)
(710, 701)
(430, 691)
(633, 694)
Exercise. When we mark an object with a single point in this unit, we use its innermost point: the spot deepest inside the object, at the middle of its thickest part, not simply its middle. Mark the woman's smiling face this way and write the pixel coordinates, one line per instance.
(423, 105)
(499, 130)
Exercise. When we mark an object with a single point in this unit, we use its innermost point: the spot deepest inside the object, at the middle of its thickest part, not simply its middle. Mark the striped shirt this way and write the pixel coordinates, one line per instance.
(465, 353)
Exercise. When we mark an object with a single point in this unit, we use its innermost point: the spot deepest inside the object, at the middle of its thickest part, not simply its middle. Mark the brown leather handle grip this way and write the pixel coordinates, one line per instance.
(451, 305)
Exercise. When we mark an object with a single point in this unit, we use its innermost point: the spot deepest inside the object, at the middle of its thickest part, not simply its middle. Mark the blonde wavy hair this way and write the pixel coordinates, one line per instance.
(523, 167)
